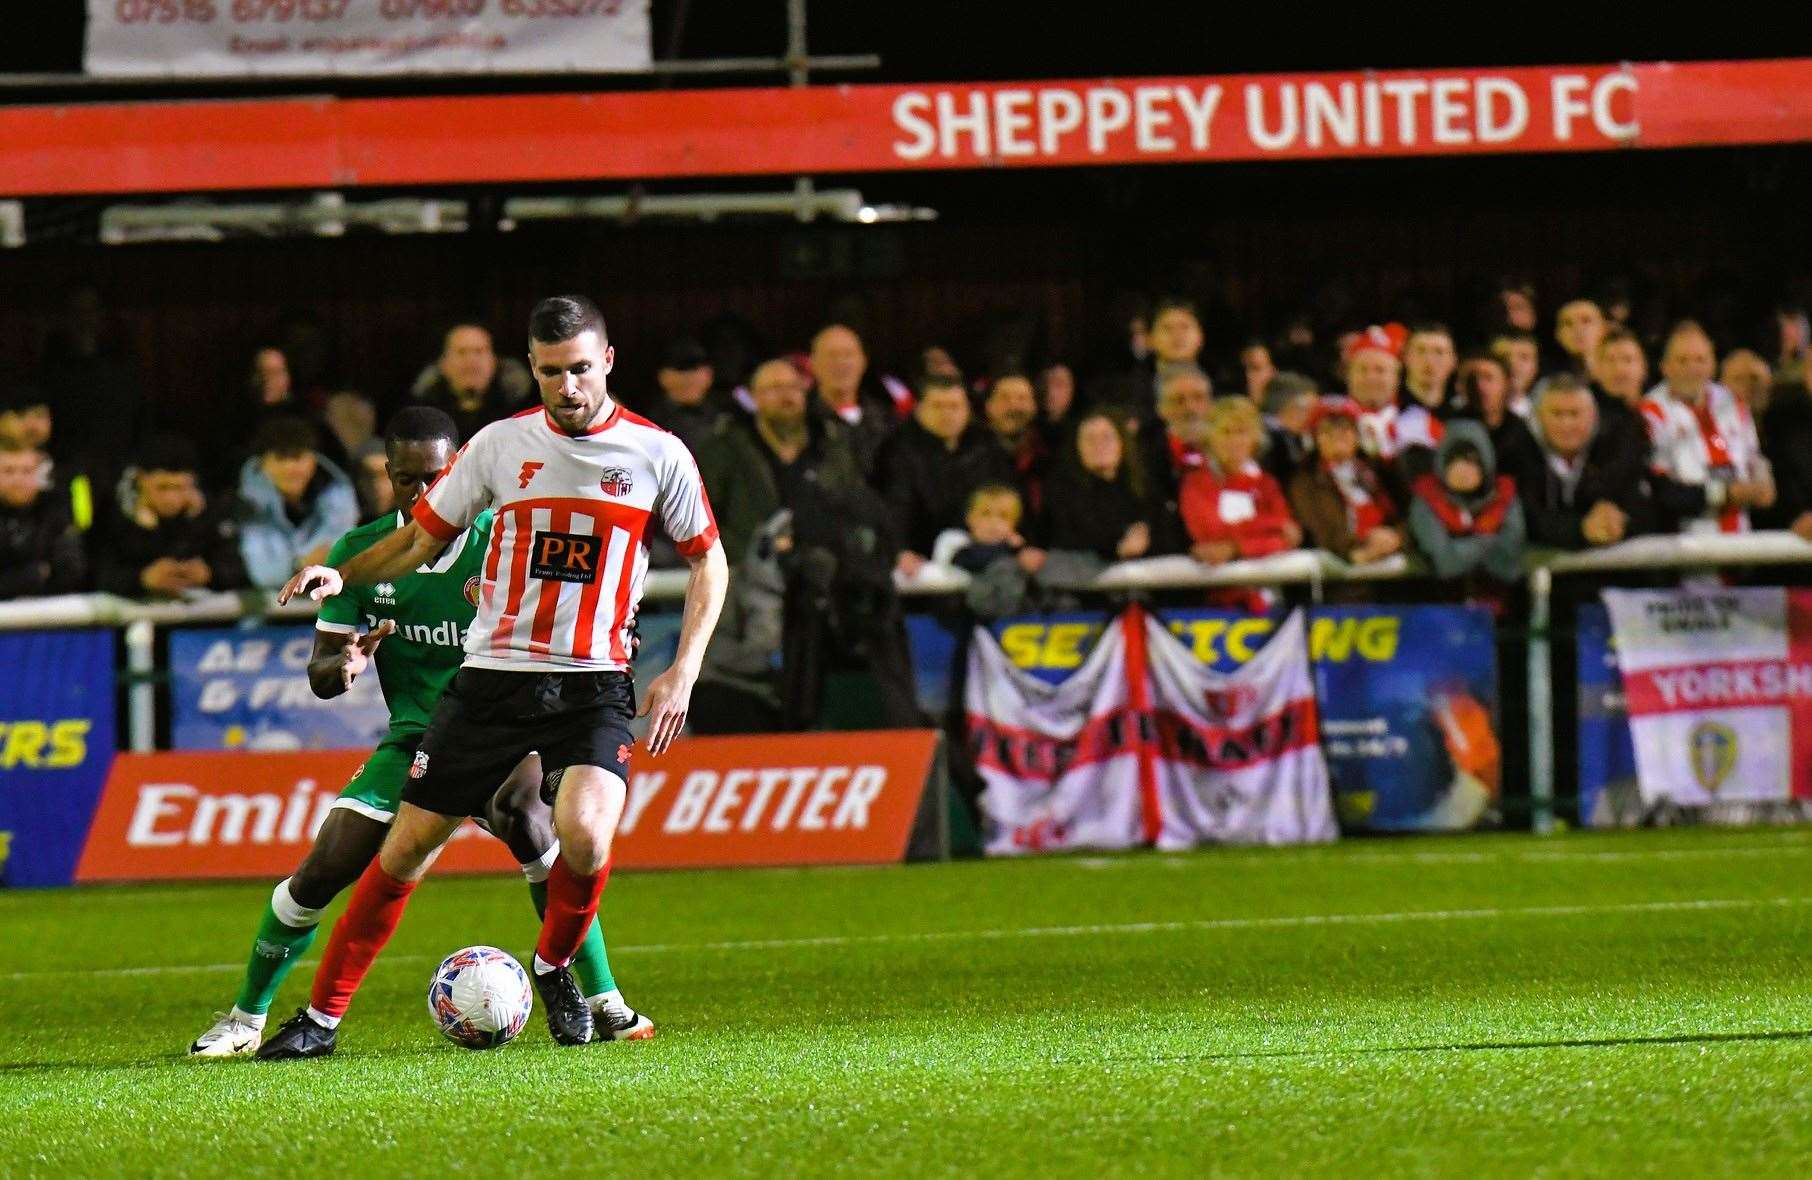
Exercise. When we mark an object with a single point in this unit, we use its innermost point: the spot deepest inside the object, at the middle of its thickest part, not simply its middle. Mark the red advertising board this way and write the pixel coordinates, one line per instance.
(844, 798)
(328, 142)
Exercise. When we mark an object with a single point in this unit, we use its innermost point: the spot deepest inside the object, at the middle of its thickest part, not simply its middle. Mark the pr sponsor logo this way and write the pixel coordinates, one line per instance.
(566, 557)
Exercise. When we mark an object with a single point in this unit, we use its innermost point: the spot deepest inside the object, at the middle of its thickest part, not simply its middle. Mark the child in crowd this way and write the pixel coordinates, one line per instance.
(992, 530)
(1339, 495)
(1230, 506)
(1465, 517)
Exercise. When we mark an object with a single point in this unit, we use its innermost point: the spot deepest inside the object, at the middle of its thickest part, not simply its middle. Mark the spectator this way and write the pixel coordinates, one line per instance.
(1172, 446)
(27, 420)
(1096, 502)
(840, 607)
(936, 361)
(1521, 353)
(90, 378)
(1793, 341)
(1619, 368)
(1428, 365)
(1705, 444)
(166, 539)
(686, 405)
(990, 531)
(931, 465)
(1747, 375)
(295, 502)
(1786, 433)
(1579, 487)
(351, 422)
(40, 546)
(1484, 394)
(845, 389)
(1255, 362)
(1056, 402)
(1174, 338)
(268, 383)
(1465, 518)
(1372, 368)
(1340, 497)
(1230, 507)
(754, 469)
(371, 472)
(1289, 402)
(1010, 411)
(1579, 325)
(1516, 305)
(469, 383)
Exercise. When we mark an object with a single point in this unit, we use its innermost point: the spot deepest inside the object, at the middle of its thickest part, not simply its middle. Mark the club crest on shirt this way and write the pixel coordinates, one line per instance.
(615, 481)
(419, 766)
(472, 584)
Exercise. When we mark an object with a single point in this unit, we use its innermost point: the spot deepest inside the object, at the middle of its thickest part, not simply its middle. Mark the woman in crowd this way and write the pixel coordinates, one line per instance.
(1096, 500)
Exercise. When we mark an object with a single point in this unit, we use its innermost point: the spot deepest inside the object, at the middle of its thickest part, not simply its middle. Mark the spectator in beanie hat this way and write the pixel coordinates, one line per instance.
(1372, 367)
(1340, 497)
(1465, 517)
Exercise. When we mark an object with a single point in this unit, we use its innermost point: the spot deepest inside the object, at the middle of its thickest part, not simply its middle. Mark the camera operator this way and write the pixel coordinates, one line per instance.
(836, 556)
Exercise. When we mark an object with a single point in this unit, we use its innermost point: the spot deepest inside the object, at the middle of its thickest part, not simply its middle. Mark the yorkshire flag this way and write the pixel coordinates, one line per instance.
(1719, 684)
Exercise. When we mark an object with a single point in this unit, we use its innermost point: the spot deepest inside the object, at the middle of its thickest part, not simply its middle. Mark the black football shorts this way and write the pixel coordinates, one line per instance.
(488, 721)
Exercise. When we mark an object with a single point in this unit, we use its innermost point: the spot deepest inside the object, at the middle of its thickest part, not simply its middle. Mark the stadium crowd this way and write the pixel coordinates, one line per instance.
(1567, 432)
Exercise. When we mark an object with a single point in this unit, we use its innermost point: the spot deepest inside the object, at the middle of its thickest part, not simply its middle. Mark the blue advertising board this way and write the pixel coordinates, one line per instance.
(1408, 698)
(246, 688)
(56, 745)
(1607, 752)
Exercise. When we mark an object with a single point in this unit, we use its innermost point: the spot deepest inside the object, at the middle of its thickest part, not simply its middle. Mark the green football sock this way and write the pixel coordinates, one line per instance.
(592, 963)
(275, 950)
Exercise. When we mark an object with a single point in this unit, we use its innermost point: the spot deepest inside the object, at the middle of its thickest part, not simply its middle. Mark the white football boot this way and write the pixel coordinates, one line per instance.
(613, 1020)
(231, 1036)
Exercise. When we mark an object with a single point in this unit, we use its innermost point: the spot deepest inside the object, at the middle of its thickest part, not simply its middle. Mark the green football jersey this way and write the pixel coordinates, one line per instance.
(432, 609)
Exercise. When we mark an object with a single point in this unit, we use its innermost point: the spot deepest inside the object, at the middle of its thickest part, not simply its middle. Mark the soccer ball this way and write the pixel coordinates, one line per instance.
(479, 997)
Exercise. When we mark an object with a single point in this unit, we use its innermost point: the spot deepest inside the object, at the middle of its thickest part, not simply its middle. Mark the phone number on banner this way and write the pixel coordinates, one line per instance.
(166, 12)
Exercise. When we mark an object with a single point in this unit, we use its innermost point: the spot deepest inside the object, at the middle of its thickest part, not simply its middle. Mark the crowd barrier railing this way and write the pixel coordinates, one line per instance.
(1313, 569)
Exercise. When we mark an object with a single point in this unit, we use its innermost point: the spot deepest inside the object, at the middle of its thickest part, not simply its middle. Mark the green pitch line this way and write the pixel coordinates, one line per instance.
(1487, 1005)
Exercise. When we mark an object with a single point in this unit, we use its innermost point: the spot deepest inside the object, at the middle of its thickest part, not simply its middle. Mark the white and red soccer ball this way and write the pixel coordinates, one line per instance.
(479, 997)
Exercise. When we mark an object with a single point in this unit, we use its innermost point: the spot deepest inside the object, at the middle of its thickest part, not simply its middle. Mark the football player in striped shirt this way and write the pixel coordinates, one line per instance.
(575, 485)
(414, 626)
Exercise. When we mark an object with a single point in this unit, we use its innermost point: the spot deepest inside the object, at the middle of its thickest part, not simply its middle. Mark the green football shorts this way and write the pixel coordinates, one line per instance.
(377, 784)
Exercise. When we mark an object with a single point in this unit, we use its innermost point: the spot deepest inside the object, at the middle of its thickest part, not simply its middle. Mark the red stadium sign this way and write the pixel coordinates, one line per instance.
(327, 142)
(772, 800)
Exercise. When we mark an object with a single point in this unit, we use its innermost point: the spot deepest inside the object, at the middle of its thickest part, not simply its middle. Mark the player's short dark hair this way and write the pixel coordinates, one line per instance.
(285, 435)
(561, 317)
(167, 451)
(420, 424)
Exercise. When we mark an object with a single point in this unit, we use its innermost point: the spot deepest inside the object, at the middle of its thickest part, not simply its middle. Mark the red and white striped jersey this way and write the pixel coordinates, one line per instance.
(1715, 440)
(563, 575)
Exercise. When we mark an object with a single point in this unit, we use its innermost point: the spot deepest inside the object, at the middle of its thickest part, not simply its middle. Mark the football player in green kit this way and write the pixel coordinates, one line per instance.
(414, 633)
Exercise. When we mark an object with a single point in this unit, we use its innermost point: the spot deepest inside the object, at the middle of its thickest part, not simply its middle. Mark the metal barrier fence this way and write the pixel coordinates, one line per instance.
(1314, 570)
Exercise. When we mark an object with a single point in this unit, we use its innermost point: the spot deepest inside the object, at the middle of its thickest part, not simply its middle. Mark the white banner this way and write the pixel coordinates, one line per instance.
(1145, 745)
(1719, 691)
(217, 38)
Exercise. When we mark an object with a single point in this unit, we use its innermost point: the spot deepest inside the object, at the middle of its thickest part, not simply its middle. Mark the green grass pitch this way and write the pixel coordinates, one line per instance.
(1608, 1004)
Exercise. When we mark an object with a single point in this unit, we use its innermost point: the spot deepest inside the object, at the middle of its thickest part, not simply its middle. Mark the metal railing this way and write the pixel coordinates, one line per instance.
(1315, 569)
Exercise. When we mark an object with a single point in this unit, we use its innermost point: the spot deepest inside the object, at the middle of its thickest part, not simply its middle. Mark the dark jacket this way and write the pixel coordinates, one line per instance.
(128, 547)
(495, 406)
(870, 432)
(1615, 469)
(927, 484)
(736, 466)
(691, 423)
(1088, 514)
(1463, 535)
(1786, 431)
(40, 549)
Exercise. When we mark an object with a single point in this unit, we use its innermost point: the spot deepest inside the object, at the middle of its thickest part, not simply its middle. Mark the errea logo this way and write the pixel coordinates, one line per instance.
(385, 593)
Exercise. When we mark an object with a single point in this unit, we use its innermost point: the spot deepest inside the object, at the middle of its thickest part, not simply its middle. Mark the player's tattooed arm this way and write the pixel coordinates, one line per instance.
(339, 658)
(397, 554)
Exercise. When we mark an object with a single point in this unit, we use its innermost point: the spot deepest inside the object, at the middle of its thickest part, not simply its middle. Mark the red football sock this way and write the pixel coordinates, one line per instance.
(369, 921)
(572, 902)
